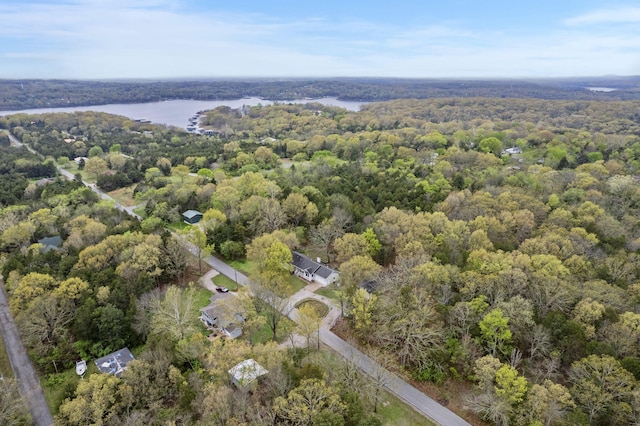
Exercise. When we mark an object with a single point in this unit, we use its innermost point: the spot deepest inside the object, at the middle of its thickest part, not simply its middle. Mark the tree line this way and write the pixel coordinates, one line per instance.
(23, 94)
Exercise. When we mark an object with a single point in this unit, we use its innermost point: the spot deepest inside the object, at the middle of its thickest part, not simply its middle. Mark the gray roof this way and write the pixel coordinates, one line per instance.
(301, 261)
(115, 363)
(191, 214)
(51, 243)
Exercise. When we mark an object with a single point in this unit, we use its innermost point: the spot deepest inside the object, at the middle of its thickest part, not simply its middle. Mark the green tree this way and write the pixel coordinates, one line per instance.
(363, 305)
(494, 329)
(600, 385)
(309, 323)
(198, 241)
(95, 166)
(95, 402)
(13, 410)
(491, 144)
(309, 402)
(175, 315)
(510, 385)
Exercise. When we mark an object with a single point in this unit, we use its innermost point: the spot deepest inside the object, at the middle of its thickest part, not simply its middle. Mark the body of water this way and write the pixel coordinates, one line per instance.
(177, 112)
(601, 89)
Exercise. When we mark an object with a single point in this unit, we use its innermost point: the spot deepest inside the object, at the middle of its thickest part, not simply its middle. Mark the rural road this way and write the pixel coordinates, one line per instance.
(403, 390)
(101, 194)
(21, 365)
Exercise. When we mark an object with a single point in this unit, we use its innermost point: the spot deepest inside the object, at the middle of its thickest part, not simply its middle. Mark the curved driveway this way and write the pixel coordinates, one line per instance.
(403, 390)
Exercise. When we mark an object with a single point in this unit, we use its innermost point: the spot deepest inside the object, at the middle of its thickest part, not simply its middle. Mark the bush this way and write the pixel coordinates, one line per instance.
(232, 250)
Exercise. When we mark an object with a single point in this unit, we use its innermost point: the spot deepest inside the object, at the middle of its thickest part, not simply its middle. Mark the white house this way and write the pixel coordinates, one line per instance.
(512, 151)
(313, 271)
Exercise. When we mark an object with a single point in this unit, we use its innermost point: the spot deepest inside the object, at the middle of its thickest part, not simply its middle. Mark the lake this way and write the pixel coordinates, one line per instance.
(177, 112)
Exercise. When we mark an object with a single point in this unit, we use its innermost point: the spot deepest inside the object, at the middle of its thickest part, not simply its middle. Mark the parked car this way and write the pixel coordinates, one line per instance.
(222, 289)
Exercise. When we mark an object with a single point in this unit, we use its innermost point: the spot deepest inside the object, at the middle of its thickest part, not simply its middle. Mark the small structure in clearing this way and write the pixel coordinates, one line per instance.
(192, 217)
(246, 373)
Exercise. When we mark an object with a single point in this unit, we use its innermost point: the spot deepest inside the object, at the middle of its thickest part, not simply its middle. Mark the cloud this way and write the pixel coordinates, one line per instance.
(162, 38)
(606, 16)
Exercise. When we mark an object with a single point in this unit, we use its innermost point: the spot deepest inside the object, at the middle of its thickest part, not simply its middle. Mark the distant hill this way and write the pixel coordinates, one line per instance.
(23, 94)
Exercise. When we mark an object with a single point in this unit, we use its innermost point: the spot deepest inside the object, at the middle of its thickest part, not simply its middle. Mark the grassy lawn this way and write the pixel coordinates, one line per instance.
(123, 196)
(201, 298)
(140, 211)
(393, 411)
(264, 334)
(179, 226)
(330, 291)
(244, 266)
(222, 281)
(320, 307)
(58, 387)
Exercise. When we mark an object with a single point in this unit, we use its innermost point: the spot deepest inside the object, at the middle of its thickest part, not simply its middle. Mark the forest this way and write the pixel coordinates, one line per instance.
(24, 94)
(487, 249)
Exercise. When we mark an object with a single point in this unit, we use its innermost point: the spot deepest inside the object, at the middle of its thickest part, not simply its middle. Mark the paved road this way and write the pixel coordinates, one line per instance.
(403, 390)
(21, 365)
(129, 210)
(13, 140)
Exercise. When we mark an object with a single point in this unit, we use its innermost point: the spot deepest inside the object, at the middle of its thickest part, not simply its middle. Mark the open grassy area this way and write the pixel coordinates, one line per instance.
(140, 211)
(222, 281)
(244, 266)
(58, 387)
(330, 291)
(320, 307)
(264, 334)
(201, 298)
(179, 226)
(124, 196)
(393, 411)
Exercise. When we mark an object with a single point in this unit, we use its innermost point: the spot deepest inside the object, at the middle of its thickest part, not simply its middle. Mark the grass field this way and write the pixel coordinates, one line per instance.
(264, 334)
(393, 411)
(58, 387)
(320, 307)
(222, 281)
(123, 196)
(330, 291)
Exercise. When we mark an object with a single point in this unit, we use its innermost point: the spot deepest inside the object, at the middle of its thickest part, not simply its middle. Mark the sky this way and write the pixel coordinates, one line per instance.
(168, 39)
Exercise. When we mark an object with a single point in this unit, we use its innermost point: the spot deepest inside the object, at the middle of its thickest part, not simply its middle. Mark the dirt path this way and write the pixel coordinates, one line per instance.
(21, 364)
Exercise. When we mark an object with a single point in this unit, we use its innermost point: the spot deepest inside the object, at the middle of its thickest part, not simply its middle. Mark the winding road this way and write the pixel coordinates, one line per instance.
(26, 377)
(400, 388)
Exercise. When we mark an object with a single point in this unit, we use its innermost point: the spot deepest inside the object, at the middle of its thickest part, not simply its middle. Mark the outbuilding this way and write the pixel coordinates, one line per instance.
(245, 374)
(192, 217)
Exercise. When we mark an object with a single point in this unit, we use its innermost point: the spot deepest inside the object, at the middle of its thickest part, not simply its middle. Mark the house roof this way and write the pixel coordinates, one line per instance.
(247, 371)
(191, 214)
(115, 363)
(211, 311)
(51, 243)
(301, 261)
